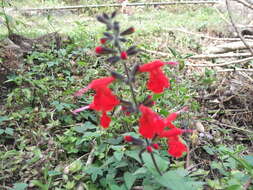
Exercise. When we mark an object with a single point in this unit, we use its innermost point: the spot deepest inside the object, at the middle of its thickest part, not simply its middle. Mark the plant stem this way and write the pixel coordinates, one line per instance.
(154, 161)
(140, 155)
(129, 82)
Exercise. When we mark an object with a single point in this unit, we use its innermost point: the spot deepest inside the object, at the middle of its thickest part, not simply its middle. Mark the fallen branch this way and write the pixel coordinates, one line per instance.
(201, 56)
(236, 29)
(205, 36)
(224, 64)
(234, 70)
(118, 5)
(225, 55)
(245, 4)
(232, 46)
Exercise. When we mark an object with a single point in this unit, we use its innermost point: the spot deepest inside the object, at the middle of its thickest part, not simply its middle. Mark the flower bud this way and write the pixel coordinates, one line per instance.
(113, 59)
(156, 146)
(149, 149)
(132, 50)
(103, 50)
(128, 138)
(103, 40)
(127, 31)
(123, 55)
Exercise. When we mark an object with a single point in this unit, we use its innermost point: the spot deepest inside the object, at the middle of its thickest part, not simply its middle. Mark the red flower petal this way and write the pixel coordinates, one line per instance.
(102, 82)
(104, 100)
(105, 120)
(172, 132)
(176, 148)
(150, 123)
(157, 80)
(148, 67)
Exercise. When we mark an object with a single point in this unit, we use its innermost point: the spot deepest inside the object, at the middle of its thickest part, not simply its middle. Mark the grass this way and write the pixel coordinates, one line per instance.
(43, 146)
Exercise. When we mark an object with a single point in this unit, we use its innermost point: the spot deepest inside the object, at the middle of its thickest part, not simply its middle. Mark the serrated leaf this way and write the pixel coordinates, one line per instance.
(129, 180)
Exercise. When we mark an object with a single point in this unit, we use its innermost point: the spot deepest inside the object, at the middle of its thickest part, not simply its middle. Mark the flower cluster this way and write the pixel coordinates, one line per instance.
(151, 125)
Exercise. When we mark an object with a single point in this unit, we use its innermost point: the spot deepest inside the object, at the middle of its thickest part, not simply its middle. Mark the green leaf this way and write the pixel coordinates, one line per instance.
(54, 173)
(1, 131)
(9, 131)
(176, 180)
(133, 154)
(249, 159)
(3, 118)
(20, 186)
(118, 155)
(80, 129)
(94, 172)
(161, 163)
(129, 180)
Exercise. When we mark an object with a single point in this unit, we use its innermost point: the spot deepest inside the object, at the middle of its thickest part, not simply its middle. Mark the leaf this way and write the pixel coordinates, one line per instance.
(249, 159)
(140, 171)
(3, 118)
(161, 163)
(129, 179)
(9, 131)
(1, 131)
(177, 180)
(20, 186)
(94, 172)
(133, 154)
(54, 173)
(118, 155)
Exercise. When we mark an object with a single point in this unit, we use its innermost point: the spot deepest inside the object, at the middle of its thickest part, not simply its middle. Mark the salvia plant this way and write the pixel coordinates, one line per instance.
(151, 125)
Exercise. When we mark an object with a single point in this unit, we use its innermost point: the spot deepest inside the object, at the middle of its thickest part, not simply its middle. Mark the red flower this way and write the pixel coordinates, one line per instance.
(157, 80)
(149, 149)
(123, 55)
(176, 147)
(105, 120)
(103, 40)
(128, 138)
(104, 100)
(150, 123)
(172, 132)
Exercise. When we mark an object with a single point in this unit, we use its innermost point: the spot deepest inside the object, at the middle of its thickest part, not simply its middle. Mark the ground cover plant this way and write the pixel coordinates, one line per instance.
(45, 146)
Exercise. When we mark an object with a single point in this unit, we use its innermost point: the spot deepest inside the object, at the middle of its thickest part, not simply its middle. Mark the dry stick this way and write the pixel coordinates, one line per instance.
(236, 29)
(221, 64)
(245, 4)
(235, 69)
(204, 36)
(120, 5)
(201, 56)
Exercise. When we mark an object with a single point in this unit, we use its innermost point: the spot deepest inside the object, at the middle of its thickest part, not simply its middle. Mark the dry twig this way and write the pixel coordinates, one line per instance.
(236, 29)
